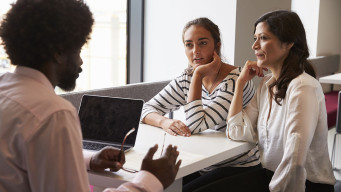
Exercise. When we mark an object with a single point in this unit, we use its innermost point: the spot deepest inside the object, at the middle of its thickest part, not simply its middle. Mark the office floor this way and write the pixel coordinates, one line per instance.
(337, 173)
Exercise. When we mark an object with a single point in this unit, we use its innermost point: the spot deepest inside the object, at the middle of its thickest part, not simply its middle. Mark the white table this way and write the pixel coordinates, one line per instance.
(197, 152)
(331, 79)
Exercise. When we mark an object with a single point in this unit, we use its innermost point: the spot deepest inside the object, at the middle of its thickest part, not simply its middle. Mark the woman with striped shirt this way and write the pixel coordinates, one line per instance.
(205, 90)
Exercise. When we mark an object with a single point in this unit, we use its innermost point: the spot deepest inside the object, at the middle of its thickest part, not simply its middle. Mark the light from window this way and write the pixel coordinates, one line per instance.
(5, 64)
(104, 56)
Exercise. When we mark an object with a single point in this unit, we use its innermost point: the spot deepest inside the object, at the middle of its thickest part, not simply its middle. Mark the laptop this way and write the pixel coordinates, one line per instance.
(106, 120)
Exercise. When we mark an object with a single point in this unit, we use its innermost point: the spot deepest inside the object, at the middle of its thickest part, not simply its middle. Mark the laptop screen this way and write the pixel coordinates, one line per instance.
(108, 119)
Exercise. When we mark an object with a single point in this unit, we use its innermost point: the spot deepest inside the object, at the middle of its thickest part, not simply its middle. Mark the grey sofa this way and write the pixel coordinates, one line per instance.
(326, 65)
(144, 91)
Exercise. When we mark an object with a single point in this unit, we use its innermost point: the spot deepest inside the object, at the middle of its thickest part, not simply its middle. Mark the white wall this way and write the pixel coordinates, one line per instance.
(308, 10)
(329, 30)
(248, 11)
(321, 19)
(164, 56)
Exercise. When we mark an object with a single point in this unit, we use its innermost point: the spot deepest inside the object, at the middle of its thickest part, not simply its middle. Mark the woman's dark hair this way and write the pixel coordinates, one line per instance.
(209, 26)
(288, 28)
(33, 31)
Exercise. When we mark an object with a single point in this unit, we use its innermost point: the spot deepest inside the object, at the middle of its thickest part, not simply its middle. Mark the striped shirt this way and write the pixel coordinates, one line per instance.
(208, 113)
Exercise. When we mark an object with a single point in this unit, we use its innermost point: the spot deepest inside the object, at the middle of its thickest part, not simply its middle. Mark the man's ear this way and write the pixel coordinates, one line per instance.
(58, 57)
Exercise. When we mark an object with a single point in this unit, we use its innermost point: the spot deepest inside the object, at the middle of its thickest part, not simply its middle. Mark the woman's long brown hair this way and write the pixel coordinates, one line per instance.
(288, 28)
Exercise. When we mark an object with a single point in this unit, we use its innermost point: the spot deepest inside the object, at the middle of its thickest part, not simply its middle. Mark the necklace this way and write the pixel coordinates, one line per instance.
(214, 82)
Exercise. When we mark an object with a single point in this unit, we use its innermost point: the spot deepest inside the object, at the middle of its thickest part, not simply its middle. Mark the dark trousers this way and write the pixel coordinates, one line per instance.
(234, 179)
(309, 186)
(237, 179)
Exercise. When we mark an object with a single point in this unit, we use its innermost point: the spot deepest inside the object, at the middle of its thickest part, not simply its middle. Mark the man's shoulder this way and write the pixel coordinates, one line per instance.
(40, 102)
(50, 104)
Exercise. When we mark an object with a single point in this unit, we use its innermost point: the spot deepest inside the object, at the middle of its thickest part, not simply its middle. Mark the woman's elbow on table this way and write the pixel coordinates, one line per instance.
(239, 133)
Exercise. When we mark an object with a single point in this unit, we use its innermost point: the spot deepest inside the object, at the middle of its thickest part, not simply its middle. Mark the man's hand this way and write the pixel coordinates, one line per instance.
(164, 168)
(108, 157)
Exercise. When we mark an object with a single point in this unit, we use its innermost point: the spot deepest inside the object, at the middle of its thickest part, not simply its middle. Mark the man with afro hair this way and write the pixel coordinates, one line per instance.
(40, 134)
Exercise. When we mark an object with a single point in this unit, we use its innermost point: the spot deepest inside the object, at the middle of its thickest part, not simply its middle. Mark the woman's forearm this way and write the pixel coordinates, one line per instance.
(237, 100)
(154, 119)
(195, 89)
(171, 126)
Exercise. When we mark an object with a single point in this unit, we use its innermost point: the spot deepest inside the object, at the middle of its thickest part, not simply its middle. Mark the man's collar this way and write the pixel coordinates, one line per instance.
(35, 75)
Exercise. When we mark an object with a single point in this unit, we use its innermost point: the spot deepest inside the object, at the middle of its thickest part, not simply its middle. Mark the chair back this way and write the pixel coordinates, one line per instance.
(325, 65)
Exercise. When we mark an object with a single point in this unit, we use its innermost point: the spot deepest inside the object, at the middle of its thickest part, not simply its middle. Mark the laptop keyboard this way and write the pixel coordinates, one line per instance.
(99, 146)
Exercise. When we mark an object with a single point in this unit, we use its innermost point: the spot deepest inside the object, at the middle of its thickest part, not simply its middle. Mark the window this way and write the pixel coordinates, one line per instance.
(5, 65)
(105, 55)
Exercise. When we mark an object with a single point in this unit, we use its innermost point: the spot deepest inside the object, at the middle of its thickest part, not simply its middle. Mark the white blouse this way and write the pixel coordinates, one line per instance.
(292, 141)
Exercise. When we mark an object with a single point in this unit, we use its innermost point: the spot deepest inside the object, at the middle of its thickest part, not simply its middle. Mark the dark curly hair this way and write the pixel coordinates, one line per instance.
(33, 31)
(288, 28)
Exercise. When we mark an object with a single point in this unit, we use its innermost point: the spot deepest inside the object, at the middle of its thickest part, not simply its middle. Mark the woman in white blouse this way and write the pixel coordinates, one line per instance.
(287, 116)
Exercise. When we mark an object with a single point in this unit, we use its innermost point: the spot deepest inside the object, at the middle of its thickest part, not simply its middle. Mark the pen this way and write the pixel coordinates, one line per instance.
(163, 144)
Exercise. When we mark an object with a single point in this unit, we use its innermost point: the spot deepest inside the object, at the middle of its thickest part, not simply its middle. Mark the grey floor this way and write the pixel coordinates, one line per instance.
(337, 173)
(337, 186)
